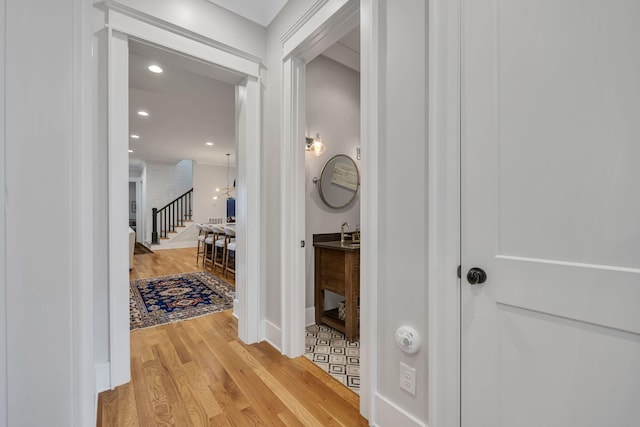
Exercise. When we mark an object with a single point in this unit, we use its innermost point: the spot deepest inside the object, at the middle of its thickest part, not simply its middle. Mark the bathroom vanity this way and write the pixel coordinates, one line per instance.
(337, 269)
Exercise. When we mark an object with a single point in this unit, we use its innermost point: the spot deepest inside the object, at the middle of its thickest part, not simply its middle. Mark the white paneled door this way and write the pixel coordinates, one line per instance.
(551, 213)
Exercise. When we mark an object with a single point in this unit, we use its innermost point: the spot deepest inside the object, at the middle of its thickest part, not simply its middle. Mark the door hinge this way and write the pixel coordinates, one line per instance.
(302, 243)
(459, 272)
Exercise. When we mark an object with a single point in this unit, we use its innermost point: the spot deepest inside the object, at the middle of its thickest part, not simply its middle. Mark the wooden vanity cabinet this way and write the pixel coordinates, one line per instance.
(337, 269)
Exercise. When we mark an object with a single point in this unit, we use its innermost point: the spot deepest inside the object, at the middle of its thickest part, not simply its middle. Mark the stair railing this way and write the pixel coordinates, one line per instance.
(172, 215)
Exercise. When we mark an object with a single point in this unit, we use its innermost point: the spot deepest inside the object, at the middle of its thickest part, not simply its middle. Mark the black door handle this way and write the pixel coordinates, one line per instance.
(476, 275)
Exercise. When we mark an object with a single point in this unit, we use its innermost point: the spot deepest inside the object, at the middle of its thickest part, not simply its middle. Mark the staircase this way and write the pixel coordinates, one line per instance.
(183, 237)
(172, 220)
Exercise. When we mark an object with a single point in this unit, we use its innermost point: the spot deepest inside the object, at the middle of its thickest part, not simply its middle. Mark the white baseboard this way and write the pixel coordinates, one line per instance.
(389, 414)
(310, 316)
(236, 304)
(273, 335)
(102, 377)
(179, 245)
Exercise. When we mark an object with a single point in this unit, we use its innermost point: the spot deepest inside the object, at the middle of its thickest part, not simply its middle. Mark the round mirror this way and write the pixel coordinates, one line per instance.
(339, 181)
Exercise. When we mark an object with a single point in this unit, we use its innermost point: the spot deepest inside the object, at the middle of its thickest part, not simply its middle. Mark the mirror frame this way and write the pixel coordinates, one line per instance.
(319, 182)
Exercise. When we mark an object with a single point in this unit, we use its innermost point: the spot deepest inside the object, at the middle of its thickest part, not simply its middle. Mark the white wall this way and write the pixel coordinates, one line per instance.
(164, 184)
(271, 153)
(206, 178)
(271, 159)
(43, 132)
(333, 110)
(402, 269)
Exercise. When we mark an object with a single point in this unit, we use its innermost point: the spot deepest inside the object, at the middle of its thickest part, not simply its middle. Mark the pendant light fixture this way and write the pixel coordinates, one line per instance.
(226, 192)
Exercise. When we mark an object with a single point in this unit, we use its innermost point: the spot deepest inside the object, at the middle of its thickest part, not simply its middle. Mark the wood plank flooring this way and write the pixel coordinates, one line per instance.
(197, 373)
(169, 261)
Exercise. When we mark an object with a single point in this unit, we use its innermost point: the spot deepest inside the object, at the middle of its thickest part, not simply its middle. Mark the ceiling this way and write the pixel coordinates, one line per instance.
(352, 40)
(189, 103)
(346, 50)
(261, 11)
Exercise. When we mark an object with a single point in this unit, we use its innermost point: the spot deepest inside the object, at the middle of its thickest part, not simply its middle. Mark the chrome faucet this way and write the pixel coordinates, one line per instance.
(344, 224)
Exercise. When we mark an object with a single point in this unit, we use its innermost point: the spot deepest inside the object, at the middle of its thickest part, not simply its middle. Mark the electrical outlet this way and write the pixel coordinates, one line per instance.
(408, 378)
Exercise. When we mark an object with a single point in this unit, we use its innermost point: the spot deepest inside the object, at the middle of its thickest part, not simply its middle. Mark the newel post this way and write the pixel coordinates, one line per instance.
(154, 232)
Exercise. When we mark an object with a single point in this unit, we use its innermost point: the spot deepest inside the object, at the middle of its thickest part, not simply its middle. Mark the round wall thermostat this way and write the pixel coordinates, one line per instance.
(408, 339)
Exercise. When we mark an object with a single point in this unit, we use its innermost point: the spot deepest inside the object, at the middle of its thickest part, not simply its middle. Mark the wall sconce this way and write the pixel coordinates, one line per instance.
(315, 145)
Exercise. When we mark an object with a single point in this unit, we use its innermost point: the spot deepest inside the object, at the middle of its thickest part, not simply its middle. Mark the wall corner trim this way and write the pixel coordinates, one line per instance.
(388, 413)
(310, 316)
(273, 335)
(102, 377)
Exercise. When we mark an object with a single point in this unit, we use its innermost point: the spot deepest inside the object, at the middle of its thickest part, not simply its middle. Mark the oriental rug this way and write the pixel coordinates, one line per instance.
(328, 349)
(158, 300)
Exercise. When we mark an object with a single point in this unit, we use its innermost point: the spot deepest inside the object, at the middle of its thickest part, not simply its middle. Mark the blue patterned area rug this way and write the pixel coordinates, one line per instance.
(167, 299)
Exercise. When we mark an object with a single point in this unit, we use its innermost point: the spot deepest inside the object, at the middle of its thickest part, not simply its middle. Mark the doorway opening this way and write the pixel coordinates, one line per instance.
(310, 41)
(184, 149)
(185, 144)
(245, 75)
(332, 210)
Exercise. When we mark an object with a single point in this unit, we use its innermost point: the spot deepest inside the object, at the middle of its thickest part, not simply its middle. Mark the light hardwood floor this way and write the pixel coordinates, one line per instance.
(169, 261)
(197, 373)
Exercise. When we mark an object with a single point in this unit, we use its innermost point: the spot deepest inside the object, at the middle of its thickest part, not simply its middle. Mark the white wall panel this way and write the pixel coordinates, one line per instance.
(40, 131)
(271, 154)
(403, 199)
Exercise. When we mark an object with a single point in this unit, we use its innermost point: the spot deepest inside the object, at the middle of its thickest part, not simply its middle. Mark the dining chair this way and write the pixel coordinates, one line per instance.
(219, 246)
(230, 250)
(209, 241)
(202, 235)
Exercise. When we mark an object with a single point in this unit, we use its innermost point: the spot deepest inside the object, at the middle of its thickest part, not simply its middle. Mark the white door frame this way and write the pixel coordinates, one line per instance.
(310, 37)
(310, 40)
(369, 132)
(444, 212)
(118, 138)
(4, 392)
(122, 25)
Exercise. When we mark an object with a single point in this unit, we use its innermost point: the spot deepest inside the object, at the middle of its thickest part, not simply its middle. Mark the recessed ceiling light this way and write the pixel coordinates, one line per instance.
(209, 143)
(131, 151)
(155, 69)
(143, 113)
(134, 136)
